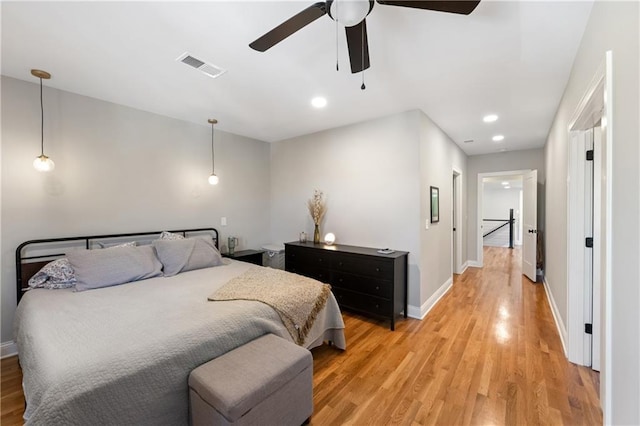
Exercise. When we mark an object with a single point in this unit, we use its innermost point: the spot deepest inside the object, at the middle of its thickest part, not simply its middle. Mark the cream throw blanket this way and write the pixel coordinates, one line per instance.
(295, 298)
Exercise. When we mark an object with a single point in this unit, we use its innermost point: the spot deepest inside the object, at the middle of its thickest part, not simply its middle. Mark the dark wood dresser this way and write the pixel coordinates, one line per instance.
(362, 280)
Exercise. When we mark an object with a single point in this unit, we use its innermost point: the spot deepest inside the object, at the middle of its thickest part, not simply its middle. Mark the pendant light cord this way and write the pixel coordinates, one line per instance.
(213, 168)
(41, 121)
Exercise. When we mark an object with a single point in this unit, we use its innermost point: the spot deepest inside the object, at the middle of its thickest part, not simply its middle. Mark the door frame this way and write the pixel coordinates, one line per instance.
(596, 105)
(480, 192)
(456, 237)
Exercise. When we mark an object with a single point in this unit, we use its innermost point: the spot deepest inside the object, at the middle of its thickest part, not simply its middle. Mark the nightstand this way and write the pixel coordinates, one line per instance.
(250, 256)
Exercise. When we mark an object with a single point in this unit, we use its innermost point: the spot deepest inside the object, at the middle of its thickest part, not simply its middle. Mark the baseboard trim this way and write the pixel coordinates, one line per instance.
(474, 264)
(422, 311)
(8, 349)
(465, 265)
(562, 330)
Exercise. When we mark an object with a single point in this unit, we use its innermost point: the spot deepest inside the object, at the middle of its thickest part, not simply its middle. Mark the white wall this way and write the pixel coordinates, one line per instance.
(117, 170)
(612, 26)
(496, 202)
(501, 162)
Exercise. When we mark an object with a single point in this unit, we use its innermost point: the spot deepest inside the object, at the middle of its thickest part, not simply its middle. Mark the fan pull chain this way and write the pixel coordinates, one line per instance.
(337, 56)
(363, 86)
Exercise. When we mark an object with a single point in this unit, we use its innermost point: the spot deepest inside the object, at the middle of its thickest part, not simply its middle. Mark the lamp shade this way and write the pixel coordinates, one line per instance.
(329, 239)
(213, 179)
(43, 164)
(350, 12)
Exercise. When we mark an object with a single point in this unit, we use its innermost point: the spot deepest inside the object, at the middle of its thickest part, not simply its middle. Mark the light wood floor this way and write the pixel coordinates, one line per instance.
(488, 353)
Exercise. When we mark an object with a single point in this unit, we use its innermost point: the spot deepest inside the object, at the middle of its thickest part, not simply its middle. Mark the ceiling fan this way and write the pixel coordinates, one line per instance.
(352, 14)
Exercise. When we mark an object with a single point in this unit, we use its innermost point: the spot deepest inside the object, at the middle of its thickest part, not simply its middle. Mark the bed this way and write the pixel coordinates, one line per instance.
(121, 355)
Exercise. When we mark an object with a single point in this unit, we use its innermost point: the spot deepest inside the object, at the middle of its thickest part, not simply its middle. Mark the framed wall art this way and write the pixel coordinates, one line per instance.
(435, 204)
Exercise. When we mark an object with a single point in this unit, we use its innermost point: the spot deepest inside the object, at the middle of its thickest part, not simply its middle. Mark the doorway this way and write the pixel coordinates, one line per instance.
(456, 224)
(528, 213)
(588, 262)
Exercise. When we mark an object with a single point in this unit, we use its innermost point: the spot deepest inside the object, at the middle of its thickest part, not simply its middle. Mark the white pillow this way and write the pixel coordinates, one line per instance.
(166, 235)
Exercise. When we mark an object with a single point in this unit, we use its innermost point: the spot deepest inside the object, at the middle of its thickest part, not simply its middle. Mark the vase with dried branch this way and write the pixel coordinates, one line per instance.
(317, 208)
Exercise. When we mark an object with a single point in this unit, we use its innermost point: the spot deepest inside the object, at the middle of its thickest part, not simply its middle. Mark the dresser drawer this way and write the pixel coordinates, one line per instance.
(365, 265)
(320, 274)
(361, 302)
(309, 257)
(373, 286)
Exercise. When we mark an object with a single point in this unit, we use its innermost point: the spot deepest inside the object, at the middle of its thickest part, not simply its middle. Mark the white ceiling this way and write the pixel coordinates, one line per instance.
(508, 58)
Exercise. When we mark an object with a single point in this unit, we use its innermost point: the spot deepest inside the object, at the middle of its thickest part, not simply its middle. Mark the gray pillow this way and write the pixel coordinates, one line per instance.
(186, 255)
(104, 268)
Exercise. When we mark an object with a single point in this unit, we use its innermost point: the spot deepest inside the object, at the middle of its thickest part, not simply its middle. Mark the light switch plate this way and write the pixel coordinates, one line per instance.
(223, 221)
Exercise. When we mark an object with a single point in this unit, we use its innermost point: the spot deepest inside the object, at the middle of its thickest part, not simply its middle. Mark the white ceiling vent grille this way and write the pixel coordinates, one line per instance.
(469, 141)
(206, 68)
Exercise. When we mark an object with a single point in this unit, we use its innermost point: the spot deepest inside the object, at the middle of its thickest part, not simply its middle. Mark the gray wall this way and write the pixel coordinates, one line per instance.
(119, 169)
(374, 176)
(501, 162)
(612, 26)
(369, 173)
(438, 156)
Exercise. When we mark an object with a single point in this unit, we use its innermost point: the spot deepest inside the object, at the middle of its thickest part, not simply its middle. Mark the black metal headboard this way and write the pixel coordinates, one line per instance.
(27, 266)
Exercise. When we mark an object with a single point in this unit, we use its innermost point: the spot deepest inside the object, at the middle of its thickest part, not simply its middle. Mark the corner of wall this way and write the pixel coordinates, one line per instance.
(562, 330)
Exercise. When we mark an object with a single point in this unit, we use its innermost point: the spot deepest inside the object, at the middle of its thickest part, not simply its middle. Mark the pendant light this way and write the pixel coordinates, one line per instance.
(42, 163)
(213, 179)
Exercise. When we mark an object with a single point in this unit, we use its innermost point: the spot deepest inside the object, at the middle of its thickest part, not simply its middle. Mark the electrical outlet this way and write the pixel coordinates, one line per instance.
(223, 221)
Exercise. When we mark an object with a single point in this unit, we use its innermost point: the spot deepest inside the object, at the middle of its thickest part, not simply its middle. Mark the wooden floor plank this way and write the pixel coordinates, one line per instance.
(487, 353)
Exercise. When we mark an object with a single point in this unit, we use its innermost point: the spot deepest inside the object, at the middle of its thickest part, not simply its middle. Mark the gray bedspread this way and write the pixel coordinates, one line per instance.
(122, 355)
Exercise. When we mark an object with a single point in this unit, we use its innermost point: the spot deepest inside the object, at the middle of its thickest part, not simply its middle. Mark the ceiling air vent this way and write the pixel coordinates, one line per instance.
(468, 141)
(208, 69)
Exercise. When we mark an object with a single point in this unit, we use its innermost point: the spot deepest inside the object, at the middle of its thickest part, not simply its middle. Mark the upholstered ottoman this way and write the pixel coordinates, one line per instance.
(268, 381)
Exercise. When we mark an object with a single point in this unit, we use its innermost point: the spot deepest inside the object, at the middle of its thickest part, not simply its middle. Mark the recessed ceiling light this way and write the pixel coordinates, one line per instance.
(490, 118)
(505, 183)
(497, 138)
(319, 102)
(507, 187)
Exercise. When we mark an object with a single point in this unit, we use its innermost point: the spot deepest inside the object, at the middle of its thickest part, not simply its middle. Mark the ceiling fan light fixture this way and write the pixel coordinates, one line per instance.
(349, 12)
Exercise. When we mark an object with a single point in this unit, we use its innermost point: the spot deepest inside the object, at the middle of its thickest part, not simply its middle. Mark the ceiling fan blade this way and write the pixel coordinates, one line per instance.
(289, 27)
(358, 46)
(463, 7)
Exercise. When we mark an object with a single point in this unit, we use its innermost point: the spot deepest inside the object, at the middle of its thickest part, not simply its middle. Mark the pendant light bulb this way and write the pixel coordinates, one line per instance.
(213, 179)
(44, 164)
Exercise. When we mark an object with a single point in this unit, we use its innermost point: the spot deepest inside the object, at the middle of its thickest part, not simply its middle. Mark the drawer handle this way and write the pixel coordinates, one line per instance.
(377, 287)
(377, 269)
